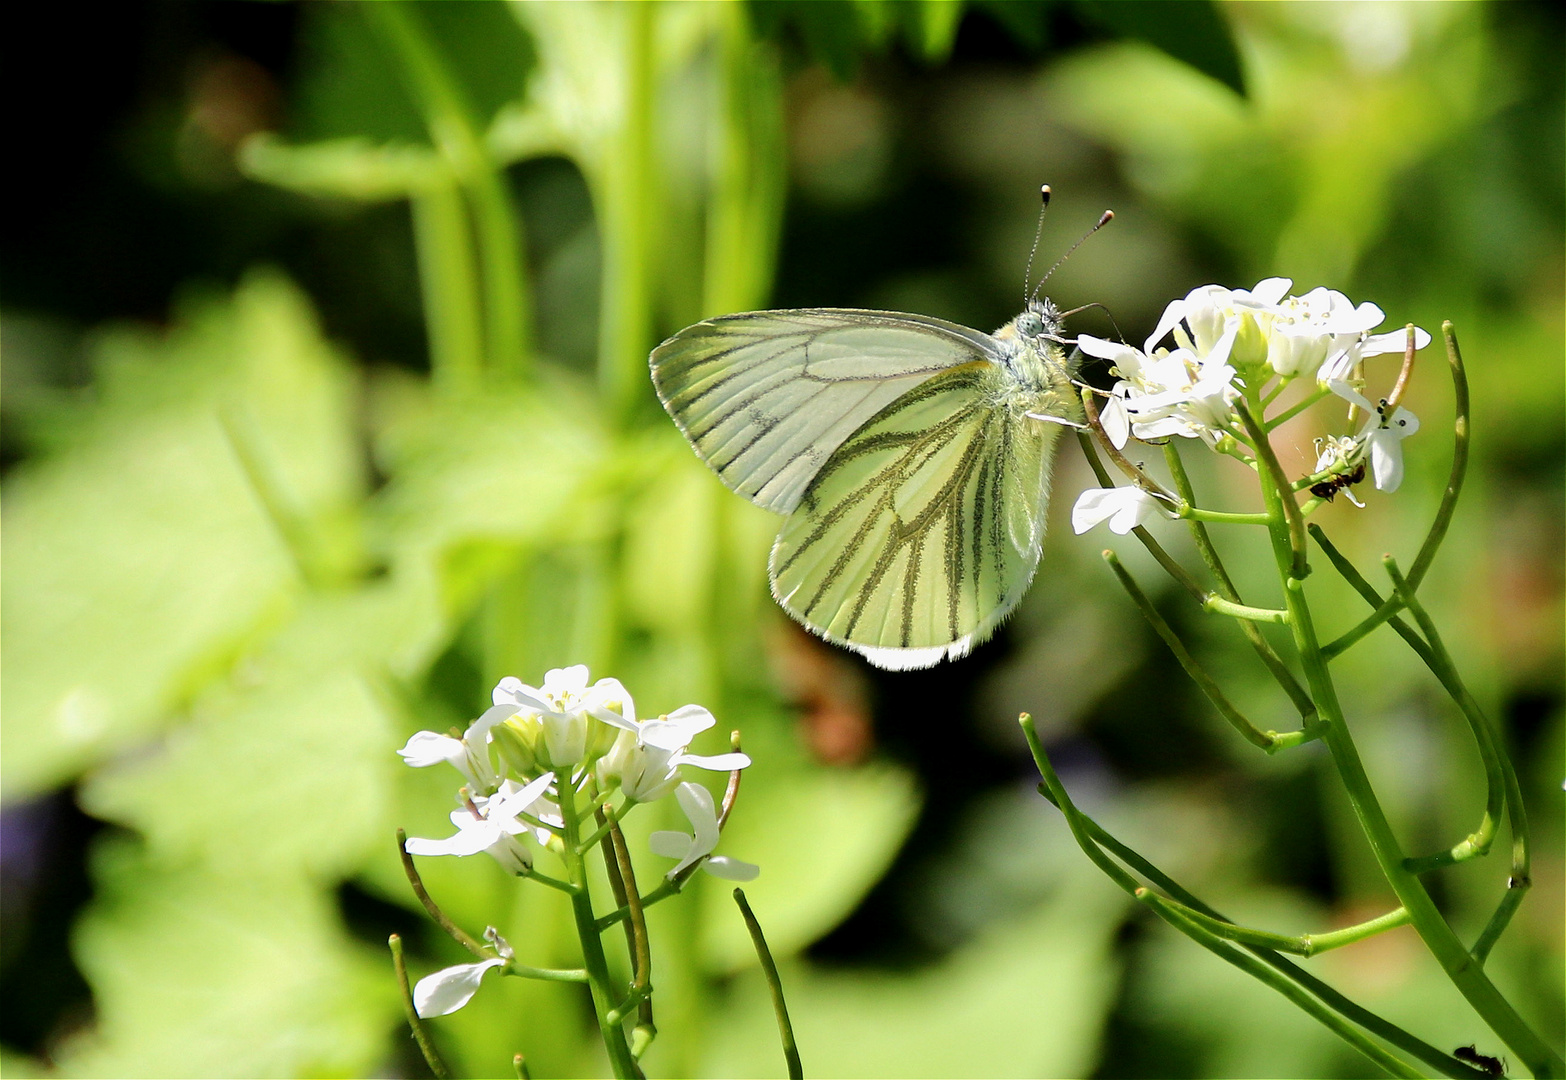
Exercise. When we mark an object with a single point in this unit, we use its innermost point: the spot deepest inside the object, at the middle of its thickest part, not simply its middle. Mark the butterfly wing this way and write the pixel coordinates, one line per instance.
(923, 529)
(766, 397)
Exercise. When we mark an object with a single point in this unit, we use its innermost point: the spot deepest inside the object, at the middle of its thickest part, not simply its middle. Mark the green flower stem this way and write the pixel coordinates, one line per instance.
(1140, 478)
(1219, 517)
(453, 131)
(1500, 776)
(1263, 964)
(1348, 639)
(461, 936)
(1467, 975)
(1218, 605)
(1454, 483)
(448, 283)
(641, 944)
(533, 874)
(519, 1066)
(1154, 548)
(592, 948)
(1204, 546)
(415, 1022)
(1266, 740)
(1301, 944)
(1366, 1019)
(1282, 505)
(606, 821)
(1440, 664)
(769, 967)
(626, 199)
(524, 971)
(1294, 410)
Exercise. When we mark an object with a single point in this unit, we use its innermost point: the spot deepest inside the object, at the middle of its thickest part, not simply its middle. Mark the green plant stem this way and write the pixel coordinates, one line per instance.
(1218, 517)
(415, 1022)
(461, 936)
(641, 944)
(587, 929)
(1266, 740)
(1154, 548)
(769, 968)
(606, 821)
(1265, 965)
(626, 197)
(1454, 482)
(1298, 944)
(1226, 588)
(1218, 605)
(1294, 410)
(1467, 975)
(455, 134)
(448, 283)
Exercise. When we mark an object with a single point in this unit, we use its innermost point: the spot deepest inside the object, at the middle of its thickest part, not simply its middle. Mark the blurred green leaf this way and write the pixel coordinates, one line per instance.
(1193, 31)
(201, 974)
(823, 837)
(345, 168)
(1027, 998)
(140, 558)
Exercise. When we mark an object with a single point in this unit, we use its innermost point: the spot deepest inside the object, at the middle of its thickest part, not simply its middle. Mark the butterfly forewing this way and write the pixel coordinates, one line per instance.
(922, 530)
(767, 397)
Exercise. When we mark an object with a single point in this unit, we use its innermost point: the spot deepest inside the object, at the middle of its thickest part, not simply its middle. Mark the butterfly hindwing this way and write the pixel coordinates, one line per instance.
(767, 397)
(920, 533)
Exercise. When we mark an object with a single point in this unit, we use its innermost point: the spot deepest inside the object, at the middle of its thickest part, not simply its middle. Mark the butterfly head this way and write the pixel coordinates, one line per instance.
(1041, 320)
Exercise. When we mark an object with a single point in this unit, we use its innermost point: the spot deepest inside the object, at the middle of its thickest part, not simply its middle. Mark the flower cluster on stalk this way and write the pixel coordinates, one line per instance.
(1218, 350)
(515, 757)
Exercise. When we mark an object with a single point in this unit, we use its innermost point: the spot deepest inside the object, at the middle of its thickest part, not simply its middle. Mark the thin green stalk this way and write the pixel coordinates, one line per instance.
(606, 821)
(1204, 546)
(769, 968)
(1154, 548)
(1264, 965)
(415, 1022)
(641, 944)
(625, 204)
(1467, 975)
(1454, 482)
(592, 947)
(1219, 517)
(455, 134)
(448, 283)
(1266, 740)
(1349, 638)
(1282, 504)
(459, 935)
(1299, 944)
(1219, 606)
(1294, 410)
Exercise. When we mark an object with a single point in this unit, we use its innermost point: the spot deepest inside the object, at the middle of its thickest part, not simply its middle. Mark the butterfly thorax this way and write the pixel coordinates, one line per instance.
(1033, 356)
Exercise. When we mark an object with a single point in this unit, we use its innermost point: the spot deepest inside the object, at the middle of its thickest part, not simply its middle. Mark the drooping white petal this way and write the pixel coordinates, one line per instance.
(1269, 291)
(722, 866)
(425, 748)
(1173, 313)
(1386, 448)
(1116, 421)
(473, 835)
(669, 844)
(505, 810)
(449, 989)
(1123, 507)
(1113, 351)
(715, 762)
(1394, 342)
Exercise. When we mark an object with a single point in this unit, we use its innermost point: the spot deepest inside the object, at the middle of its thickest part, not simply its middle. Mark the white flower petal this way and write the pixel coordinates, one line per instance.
(1123, 507)
(715, 762)
(1116, 422)
(669, 844)
(425, 748)
(1166, 322)
(469, 840)
(1112, 351)
(449, 989)
(1269, 291)
(731, 869)
(693, 718)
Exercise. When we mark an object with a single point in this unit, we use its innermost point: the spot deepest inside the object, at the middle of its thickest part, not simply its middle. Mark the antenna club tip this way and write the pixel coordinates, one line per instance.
(1045, 193)
(1109, 215)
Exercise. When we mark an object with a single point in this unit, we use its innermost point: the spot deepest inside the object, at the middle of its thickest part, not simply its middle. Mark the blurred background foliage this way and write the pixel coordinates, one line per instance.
(325, 405)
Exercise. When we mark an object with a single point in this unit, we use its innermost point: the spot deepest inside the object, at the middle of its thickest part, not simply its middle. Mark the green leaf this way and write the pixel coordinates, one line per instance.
(141, 557)
(1027, 998)
(200, 974)
(823, 837)
(343, 168)
(1194, 31)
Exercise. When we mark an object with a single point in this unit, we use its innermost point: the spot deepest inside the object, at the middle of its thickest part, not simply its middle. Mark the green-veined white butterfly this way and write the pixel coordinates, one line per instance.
(911, 456)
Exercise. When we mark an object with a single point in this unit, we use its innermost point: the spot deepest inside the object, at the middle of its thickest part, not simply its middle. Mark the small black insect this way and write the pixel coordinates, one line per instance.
(1483, 1062)
(1334, 484)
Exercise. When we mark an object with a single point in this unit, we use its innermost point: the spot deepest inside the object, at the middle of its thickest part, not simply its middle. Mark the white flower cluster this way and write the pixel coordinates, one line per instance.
(531, 740)
(1225, 342)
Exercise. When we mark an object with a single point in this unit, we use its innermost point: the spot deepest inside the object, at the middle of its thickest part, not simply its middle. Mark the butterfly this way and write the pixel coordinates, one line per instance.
(910, 455)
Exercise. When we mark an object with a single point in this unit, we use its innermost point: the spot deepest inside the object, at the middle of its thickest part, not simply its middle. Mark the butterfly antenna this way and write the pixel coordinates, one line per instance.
(1027, 276)
(1102, 307)
(1105, 219)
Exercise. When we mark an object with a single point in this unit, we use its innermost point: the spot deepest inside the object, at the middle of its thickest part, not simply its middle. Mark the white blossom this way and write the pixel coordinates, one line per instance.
(493, 829)
(646, 757)
(697, 803)
(1384, 436)
(469, 755)
(560, 713)
(1123, 507)
(448, 989)
(1168, 393)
